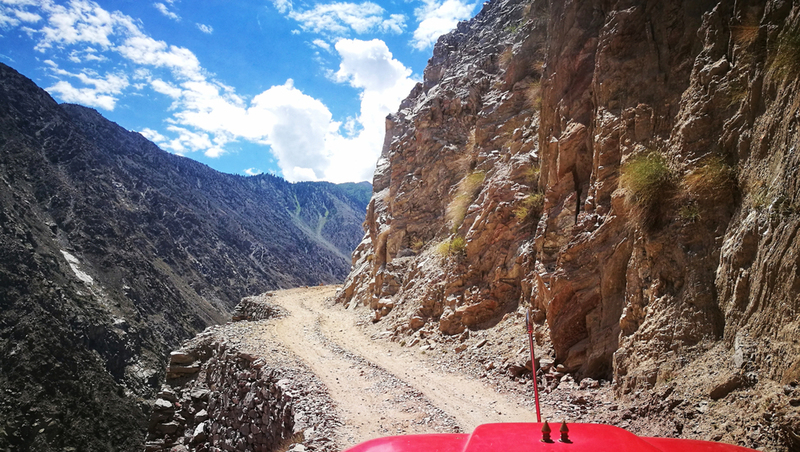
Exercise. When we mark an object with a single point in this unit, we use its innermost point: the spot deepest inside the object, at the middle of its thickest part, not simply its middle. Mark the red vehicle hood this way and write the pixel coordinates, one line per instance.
(526, 437)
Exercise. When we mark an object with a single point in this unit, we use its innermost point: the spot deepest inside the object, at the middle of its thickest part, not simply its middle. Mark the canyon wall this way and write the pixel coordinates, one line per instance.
(625, 169)
(113, 251)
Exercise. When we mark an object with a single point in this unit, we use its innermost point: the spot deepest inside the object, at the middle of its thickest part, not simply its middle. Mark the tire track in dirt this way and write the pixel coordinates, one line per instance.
(380, 388)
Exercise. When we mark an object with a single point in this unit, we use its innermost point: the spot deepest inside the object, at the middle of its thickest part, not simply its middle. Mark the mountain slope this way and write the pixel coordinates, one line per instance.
(113, 251)
(628, 171)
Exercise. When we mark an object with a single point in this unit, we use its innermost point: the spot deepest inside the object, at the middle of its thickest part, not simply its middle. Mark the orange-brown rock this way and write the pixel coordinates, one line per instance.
(505, 181)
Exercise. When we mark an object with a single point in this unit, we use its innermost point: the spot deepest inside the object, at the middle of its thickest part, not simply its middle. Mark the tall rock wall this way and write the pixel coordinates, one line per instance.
(626, 169)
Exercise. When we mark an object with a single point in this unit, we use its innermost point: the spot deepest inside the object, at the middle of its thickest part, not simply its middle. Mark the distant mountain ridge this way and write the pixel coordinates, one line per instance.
(112, 251)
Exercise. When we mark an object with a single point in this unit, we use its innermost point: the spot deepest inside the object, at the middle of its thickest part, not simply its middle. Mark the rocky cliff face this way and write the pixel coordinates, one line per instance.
(112, 252)
(627, 170)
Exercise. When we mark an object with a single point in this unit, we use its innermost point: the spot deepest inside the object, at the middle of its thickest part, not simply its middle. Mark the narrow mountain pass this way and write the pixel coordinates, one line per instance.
(381, 388)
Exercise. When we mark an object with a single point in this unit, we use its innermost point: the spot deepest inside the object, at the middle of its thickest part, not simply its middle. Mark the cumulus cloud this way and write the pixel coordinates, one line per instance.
(99, 92)
(207, 29)
(437, 18)
(253, 171)
(383, 82)
(147, 51)
(84, 96)
(340, 18)
(153, 135)
(301, 131)
(187, 141)
(369, 65)
(80, 22)
(160, 86)
(307, 142)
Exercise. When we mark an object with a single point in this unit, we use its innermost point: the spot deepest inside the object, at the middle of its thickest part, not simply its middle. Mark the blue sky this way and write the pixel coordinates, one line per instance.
(297, 89)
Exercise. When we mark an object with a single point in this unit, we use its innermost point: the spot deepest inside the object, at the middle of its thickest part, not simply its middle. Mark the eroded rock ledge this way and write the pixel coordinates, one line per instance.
(222, 393)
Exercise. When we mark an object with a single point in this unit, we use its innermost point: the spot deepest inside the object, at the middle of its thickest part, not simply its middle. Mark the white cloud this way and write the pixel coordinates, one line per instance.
(12, 16)
(369, 65)
(84, 96)
(207, 29)
(253, 171)
(296, 126)
(81, 22)
(437, 18)
(305, 139)
(191, 141)
(321, 44)
(339, 18)
(101, 94)
(160, 86)
(153, 135)
(26, 16)
(282, 5)
(396, 23)
(6, 20)
(85, 55)
(163, 9)
(146, 51)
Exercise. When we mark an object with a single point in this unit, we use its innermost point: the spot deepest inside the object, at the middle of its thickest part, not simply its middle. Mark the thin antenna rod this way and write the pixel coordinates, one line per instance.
(529, 324)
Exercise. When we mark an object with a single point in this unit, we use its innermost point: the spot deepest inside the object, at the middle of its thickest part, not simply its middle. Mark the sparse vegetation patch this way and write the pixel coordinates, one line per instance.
(466, 192)
(787, 56)
(453, 246)
(713, 180)
(649, 182)
(744, 35)
(646, 177)
(529, 209)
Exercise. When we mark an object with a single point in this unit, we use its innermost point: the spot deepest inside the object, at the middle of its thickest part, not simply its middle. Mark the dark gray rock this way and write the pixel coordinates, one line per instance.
(113, 251)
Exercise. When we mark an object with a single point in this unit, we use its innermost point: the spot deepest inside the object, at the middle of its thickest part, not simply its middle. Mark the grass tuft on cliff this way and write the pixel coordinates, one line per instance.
(787, 57)
(744, 35)
(452, 246)
(713, 180)
(465, 194)
(529, 208)
(650, 183)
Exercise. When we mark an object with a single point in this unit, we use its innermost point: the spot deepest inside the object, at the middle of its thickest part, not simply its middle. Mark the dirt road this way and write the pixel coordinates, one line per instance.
(381, 388)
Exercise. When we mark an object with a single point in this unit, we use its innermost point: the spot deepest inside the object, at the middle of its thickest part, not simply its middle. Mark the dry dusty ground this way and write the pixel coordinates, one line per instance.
(381, 388)
(383, 382)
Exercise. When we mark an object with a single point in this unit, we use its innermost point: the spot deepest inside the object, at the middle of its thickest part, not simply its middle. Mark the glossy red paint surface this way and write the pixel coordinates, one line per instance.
(670, 444)
(526, 437)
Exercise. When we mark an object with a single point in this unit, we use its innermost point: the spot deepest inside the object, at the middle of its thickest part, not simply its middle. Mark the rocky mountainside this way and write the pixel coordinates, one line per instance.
(112, 252)
(628, 171)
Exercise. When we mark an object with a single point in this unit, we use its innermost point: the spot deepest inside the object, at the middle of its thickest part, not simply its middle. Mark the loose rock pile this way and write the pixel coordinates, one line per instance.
(257, 308)
(225, 395)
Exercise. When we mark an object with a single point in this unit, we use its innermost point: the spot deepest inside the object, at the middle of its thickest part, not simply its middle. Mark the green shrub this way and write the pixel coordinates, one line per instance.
(744, 35)
(532, 175)
(453, 246)
(737, 92)
(689, 213)
(646, 176)
(529, 208)
(650, 184)
(505, 57)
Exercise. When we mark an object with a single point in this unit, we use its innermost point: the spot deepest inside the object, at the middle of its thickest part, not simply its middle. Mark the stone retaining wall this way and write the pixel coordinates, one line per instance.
(257, 308)
(218, 397)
